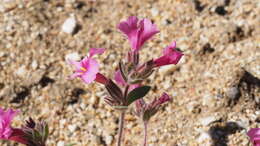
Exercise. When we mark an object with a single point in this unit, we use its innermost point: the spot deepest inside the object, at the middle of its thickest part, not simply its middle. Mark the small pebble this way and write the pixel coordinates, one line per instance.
(72, 56)
(21, 71)
(60, 143)
(233, 92)
(69, 25)
(109, 139)
(154, 11)
(203, 136)
(72, 128)
(34, 65)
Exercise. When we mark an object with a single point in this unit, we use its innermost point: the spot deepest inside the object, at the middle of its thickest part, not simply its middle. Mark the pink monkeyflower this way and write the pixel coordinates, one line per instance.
(254, 135)
(137, 31)
(88, 68)
(6, 131)
(6, 118)
(119, 79)
(164, 98)
(146, 111)
(170, 56)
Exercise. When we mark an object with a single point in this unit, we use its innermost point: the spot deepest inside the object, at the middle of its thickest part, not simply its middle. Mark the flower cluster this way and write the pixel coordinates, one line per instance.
(127, 86)
(31, 134)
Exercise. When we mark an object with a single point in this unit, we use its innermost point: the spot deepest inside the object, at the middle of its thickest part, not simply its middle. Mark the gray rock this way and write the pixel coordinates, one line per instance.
(233, 93)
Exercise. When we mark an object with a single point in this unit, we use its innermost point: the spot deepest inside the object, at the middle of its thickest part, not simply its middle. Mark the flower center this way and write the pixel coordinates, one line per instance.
(83, 69)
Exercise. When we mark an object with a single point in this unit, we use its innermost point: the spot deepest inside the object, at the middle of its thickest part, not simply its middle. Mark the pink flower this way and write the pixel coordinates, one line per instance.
(146, 111)
(157, 102)
(170, 56)
(6, 131)
(119, 79)
(137, 31)
(254, 135)
(88, 69)
(6, 118)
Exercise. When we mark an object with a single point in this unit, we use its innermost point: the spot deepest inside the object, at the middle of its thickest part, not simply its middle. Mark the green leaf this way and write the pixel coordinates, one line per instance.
(46, 132)
(137, 93)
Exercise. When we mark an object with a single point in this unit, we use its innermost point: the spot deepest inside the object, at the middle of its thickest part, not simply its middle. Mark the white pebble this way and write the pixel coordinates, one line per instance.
(34, 65)
(21, 72)
(69, 25)
(63, 121)
(72, 56)
(72, 128)
(154, 11)
(2, 54)
(109, 139)
(203, 136)
(60, 143)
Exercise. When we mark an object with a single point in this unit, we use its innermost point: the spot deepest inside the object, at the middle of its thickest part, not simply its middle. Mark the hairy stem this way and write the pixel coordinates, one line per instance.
(126, 92)
(145, 133)
(121, 127)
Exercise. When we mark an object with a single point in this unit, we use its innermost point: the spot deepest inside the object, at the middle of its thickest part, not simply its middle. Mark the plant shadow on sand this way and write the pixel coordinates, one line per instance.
(219, 134)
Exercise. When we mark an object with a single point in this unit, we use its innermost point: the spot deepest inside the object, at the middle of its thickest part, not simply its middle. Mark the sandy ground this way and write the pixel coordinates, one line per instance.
(215, 87)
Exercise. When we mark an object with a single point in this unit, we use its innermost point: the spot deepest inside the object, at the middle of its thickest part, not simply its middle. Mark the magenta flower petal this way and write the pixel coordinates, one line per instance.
(170, 56)
(157, 102)
(6, 118)
(254, 135)
(161, 61)
(93, 66)
(130, 29)
(91, 69)
(84, 63)
(169, 49)
(94, 51)
(164, 98)
(88, 77)
(129, 26)
(137, 32)
(86, 69)
(148, 29)
(175, 57)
